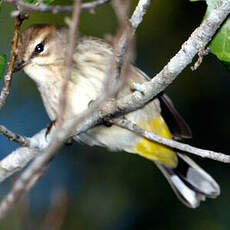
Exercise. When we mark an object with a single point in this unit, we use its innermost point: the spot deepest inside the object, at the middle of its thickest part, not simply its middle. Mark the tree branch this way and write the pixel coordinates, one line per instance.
(19, 158)
(42, 7)
(21, 140)
(124, 123)
(57, 211)
(8, 77)
(124, 41)
(73, 35)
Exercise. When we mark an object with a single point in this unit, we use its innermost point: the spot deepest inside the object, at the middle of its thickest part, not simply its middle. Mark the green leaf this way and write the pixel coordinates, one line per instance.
(3, 59)
(220, 44)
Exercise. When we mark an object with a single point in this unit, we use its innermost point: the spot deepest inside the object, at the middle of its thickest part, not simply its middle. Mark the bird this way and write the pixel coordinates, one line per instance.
(41, 53)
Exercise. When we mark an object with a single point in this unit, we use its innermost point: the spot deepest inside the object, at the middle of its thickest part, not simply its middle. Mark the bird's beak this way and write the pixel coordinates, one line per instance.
(19, 66)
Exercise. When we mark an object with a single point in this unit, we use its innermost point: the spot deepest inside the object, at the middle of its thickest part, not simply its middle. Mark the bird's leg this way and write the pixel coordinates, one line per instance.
(49, 127)
(69, 141)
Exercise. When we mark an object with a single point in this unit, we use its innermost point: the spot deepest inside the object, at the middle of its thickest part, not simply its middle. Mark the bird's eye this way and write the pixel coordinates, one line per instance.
(39, 48)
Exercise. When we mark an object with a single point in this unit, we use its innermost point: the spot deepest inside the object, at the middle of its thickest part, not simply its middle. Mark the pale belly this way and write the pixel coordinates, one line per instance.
(116, 138)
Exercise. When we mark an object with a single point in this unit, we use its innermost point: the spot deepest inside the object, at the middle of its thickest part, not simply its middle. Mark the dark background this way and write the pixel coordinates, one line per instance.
(106, 190)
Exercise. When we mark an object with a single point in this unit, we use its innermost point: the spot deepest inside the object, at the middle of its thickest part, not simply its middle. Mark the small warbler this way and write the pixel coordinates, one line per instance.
(41, 54)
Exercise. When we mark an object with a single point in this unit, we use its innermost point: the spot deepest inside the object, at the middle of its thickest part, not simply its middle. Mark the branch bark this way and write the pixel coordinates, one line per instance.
(19, 158)
(21, 140)
(126, 124)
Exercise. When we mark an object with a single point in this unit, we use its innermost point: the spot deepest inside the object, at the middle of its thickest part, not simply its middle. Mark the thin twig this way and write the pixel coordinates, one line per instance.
(73, 34)
(19, 158)
(121, 8)
(121, 57)
(8, 77)
(124, 123)
(19, 189)
(42, 7)
(21, 140)
(57, 210)
(125, 39)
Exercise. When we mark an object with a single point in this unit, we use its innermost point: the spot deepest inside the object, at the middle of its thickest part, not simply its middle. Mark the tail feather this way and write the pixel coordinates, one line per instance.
(190, 183)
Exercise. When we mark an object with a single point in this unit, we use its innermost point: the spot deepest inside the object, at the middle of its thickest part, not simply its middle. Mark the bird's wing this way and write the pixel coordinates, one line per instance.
(177, 125)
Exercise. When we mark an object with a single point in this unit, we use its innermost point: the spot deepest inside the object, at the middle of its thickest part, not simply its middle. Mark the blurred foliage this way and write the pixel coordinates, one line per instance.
(220, 44)
(107, 190)
(36, 1)
(3, 59)
(48, 1)
(31, 1)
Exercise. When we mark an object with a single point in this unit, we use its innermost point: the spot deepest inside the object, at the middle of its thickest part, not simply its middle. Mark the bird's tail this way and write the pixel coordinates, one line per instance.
(190, 183)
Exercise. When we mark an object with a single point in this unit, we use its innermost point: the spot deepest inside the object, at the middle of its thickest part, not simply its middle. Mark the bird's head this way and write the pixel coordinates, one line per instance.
(39, 47)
